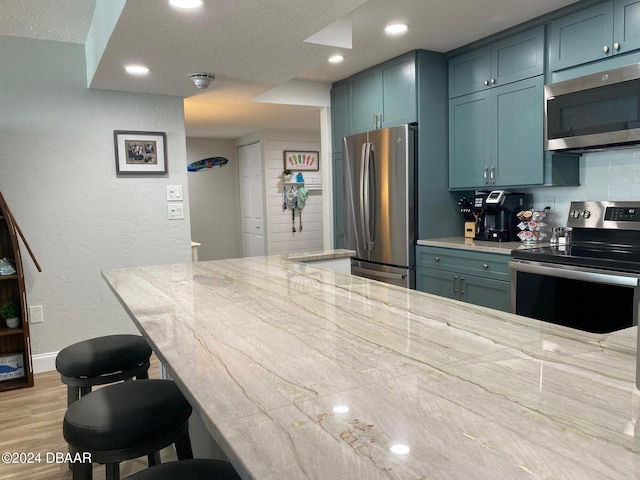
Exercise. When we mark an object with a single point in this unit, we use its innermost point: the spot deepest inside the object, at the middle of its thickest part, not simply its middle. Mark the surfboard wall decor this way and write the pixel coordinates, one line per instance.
(207, 164)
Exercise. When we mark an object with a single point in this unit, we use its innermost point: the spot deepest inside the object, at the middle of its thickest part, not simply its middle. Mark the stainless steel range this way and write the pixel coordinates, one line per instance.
(592, 283)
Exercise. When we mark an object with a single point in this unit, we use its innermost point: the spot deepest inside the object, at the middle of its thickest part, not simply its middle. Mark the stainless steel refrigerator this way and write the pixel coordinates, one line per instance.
(380, 204)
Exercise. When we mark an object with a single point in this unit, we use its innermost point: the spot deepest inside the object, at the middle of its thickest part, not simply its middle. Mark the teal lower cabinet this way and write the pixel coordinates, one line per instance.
(466, 288)
(475, 277)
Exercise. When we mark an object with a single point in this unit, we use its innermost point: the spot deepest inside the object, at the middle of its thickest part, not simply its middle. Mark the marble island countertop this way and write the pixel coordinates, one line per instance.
(304, 373)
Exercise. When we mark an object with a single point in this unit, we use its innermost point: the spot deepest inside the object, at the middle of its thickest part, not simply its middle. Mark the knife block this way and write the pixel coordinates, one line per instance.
(469, 229)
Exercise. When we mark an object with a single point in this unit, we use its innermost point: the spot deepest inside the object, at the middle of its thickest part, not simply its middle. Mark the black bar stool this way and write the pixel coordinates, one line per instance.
(102, 360)
(196, 469)
(124, 421)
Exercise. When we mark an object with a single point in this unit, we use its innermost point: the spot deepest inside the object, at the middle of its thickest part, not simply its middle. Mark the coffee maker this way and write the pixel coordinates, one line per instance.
(496, 215)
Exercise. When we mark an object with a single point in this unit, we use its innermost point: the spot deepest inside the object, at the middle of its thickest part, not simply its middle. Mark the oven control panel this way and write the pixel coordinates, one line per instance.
(608, 215)
(622, 214)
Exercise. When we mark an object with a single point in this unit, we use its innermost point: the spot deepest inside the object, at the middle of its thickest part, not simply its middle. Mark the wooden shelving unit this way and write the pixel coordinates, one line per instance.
(12, 287)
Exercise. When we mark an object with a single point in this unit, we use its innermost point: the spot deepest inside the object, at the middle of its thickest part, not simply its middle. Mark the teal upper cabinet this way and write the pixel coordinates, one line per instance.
(469, 150)
(517, 110)
(383, 96)
(495, 137)
(509, 60)
(595, 33)
(626, 25)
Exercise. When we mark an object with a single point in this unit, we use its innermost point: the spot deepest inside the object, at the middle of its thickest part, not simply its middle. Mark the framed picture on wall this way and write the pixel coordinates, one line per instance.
(140, 152)
(304, 161)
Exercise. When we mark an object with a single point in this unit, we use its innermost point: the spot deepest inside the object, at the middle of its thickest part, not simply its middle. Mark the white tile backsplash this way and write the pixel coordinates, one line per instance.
(606, 175)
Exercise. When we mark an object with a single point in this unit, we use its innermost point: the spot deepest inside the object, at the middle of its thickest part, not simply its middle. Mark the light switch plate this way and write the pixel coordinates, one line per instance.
(174, 192)
(175, 211)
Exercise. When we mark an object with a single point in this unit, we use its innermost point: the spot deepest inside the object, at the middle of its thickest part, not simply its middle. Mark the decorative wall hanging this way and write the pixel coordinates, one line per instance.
(140, 152)
(301, 160)
(207, 164)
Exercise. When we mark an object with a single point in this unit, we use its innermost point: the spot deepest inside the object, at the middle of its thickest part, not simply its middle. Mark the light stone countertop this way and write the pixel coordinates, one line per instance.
(463, 243)
(265, 348)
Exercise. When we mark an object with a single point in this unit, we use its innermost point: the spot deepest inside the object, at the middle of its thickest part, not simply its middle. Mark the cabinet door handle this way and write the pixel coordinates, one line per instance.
(455, 290)
(486, 83)
(380, 119)
(616, 46)
(375, 121)
(493, 81)
(484, 265)
(493, 175)
(605, 49)
(437, 259)
(485, 175)
(461, 286)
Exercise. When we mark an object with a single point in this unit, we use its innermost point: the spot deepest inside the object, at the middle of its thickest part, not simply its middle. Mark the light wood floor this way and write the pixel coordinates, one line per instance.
(31, 421)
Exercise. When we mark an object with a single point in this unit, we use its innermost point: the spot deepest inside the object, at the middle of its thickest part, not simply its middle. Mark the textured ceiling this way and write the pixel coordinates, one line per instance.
(57, 20)
(254, 45)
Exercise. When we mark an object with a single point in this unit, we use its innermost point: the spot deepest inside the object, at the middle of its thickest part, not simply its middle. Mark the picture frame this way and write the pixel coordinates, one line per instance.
(11, 366)
(140, 152)
(301, 160)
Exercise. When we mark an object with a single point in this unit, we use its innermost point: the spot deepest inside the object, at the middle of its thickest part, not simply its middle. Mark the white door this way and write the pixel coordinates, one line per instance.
(251, 200)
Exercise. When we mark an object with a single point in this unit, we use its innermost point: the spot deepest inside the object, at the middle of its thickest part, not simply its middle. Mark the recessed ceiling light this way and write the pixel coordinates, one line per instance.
(336, 58)
(186, 3)
(396, 28)
(136, 69)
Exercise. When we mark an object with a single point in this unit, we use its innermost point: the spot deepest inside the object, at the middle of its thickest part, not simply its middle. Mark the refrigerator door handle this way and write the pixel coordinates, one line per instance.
(366, 199)
(361, 184)
(376, 273)
(371, 198)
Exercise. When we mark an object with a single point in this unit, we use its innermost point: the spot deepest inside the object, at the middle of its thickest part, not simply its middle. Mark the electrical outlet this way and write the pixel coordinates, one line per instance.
(35, 314)
(549, 201)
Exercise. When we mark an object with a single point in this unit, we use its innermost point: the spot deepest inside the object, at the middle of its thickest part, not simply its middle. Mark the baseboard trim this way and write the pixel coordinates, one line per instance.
(44, 362)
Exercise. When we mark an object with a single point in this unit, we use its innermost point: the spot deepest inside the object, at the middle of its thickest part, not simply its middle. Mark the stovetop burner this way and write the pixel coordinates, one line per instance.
(610, 259)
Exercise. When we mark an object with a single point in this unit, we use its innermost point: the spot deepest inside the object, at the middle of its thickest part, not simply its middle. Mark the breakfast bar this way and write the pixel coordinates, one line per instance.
(301, 372)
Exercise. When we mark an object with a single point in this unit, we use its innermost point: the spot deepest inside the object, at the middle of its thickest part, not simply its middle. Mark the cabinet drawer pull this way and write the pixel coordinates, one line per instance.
(616, 46)
(605, 49)
(484, 265)
(437, 259)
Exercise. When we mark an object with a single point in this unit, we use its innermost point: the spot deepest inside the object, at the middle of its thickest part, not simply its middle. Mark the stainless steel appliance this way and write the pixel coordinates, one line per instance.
(592, 283)
(380, 205)
(597, 110)
(496, 212)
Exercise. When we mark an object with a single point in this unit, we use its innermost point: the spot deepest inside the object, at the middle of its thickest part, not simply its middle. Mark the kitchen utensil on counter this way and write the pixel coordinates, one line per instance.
(470, 218)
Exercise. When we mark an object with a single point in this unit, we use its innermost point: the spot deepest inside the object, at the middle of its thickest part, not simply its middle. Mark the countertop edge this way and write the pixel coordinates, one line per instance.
(320, 255)
(462, 243)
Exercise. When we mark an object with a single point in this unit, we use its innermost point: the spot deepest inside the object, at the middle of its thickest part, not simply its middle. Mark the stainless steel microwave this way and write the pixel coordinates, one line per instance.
(594, 111)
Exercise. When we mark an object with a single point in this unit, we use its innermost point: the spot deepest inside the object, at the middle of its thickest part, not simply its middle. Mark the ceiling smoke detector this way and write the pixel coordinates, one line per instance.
(202, 80)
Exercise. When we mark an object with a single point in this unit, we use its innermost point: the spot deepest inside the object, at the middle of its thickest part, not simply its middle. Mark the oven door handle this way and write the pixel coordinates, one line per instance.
(575, 273)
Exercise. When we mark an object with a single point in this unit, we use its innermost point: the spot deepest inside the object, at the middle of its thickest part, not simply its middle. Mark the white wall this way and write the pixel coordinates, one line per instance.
(607, 175)
(280, 238)
(214, 200)
(57, 172)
